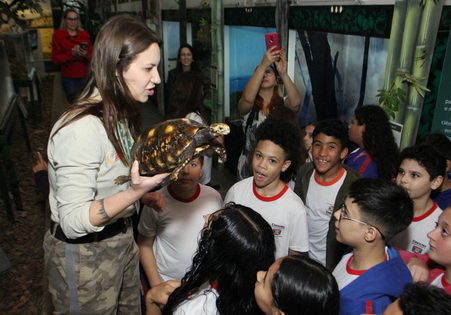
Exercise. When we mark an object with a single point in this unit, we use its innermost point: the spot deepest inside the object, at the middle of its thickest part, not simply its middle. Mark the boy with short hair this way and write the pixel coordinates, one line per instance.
(274, 157)
(168, 239)
(442, 196)
(421, 171)
(373, 273)
(323, 184)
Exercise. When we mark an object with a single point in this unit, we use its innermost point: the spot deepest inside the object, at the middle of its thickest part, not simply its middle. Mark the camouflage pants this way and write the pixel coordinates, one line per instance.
(93, 278)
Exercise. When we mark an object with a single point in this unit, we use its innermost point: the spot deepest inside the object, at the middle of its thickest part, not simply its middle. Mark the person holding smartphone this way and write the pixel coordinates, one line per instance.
(71, 49)
(261, 95)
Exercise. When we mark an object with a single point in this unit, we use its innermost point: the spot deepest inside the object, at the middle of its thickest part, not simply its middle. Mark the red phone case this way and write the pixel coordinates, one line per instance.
(272, 39)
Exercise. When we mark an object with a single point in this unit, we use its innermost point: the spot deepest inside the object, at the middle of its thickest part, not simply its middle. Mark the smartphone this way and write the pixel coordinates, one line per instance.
(272, 39)
(83, 45)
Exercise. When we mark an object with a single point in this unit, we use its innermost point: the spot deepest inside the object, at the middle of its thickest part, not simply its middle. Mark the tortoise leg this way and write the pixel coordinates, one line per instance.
(222, 154)
(122, 179)
(201, 150)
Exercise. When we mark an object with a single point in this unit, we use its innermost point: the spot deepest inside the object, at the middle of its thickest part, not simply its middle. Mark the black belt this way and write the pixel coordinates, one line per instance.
(108, 231)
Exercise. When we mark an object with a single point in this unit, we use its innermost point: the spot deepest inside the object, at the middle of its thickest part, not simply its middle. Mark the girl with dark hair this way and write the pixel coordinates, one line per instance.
(261, 96)
(377, 154)
(297, 285)
(71, 49)
(91, 257)
(185, 62)
(187, 102)
(293, 285)
(235, 243)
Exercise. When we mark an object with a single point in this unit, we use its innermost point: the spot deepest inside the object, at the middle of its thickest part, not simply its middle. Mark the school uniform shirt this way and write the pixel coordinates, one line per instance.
(414, 239)
(362, 162)
(371, 291)
(200, 303)
(443, 199)
(285, 213)
(177, 228)
(320, 206)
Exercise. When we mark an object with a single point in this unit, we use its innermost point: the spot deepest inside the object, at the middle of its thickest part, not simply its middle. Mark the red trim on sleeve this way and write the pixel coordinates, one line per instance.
(369, 306)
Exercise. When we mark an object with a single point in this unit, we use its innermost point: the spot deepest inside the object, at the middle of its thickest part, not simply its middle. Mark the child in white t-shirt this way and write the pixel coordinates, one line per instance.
(273, 159)
(168, 239)
(421, 171)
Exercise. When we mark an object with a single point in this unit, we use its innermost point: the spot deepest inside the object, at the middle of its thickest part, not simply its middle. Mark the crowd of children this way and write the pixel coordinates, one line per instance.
(356, 243)
(350, 235)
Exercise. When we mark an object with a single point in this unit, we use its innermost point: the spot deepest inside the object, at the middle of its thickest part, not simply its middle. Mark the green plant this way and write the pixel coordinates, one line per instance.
(392, 98)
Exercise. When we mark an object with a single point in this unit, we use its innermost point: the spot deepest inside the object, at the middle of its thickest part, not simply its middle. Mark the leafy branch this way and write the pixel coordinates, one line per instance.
(394, 96)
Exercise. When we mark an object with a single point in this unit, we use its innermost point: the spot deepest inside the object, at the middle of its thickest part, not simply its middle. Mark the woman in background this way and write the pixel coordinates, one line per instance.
(71, 49)
(185, 62)
(261, 96)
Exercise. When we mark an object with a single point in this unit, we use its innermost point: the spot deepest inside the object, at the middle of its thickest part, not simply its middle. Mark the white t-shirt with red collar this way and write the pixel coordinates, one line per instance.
(414, 239)
(344, 274)
(440, 281)
(319, 204)
(285, 213)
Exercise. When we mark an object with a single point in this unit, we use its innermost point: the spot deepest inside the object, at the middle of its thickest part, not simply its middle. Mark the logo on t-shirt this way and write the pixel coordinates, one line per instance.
(277, 229)
(330, 210)
(417, 247)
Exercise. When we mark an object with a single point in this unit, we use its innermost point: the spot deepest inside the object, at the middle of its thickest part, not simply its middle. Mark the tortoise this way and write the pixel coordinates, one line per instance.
(172, 144)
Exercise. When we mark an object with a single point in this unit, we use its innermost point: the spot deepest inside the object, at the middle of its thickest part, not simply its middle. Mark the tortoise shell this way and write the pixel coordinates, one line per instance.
(172, 144)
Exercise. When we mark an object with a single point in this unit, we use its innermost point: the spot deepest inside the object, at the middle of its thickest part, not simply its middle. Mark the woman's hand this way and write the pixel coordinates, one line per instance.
(143, 183)
(281, 64)
(154, 200)
(270, 56)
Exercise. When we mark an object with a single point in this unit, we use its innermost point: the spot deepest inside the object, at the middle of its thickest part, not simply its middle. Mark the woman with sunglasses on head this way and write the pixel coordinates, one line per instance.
(71, 49)
(260, 96)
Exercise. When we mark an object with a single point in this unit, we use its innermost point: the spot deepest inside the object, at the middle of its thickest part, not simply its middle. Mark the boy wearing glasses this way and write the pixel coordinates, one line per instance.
(372, 274)
(323, 184)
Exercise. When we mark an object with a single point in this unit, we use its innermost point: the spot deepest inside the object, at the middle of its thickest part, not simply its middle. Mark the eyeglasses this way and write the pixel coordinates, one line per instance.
(72, 19)
(269, 72)
(343, 208)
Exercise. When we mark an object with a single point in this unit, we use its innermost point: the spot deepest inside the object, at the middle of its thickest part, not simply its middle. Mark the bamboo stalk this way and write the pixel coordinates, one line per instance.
(394, 45)
(413, 15)
(217, 19)
(424, 51)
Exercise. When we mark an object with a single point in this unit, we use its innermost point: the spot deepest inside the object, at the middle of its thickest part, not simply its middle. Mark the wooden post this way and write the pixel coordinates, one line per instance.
(217, 59)
(282, 12)
(183, 20)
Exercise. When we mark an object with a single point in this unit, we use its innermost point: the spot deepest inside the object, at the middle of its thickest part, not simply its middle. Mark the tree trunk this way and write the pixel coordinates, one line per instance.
(217, 40)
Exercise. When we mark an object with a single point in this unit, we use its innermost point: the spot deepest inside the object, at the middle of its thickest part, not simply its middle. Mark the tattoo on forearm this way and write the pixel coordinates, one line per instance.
(102, 211)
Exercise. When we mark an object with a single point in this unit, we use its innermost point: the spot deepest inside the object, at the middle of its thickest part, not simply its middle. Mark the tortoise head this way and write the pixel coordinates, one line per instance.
(220, 128)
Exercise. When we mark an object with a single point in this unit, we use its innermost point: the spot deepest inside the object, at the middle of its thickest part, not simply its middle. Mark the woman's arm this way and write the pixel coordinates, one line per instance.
(158, 296)
(252, 87)
(293, 101)
(147, 258)
(102, 210)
